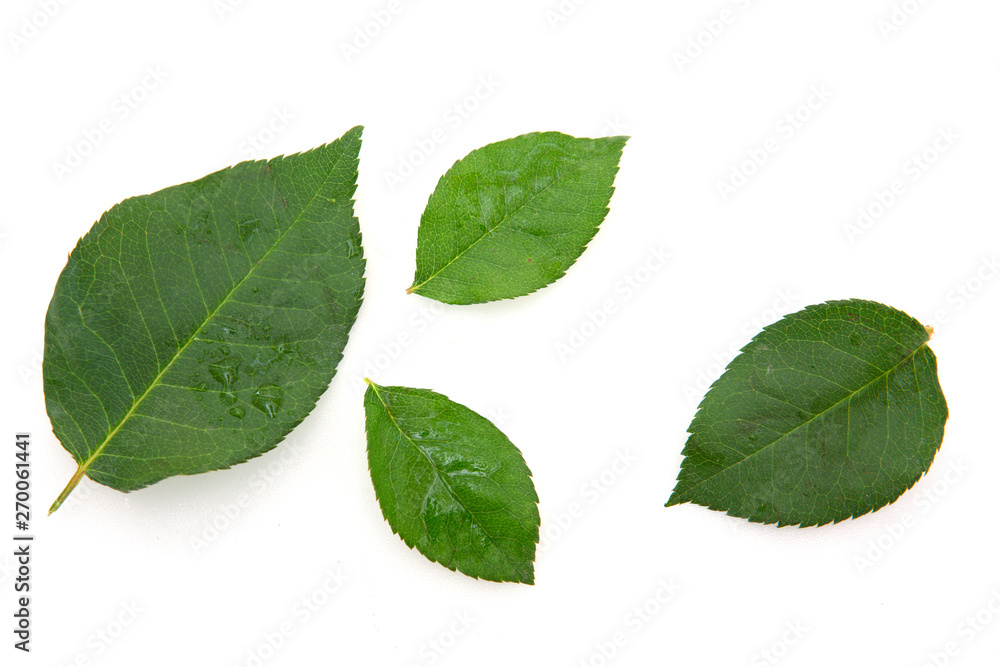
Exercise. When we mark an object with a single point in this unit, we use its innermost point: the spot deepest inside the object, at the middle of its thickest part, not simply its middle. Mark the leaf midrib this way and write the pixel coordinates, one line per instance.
(441, 477)
(85, 465)
(689, 490)
(580, 163)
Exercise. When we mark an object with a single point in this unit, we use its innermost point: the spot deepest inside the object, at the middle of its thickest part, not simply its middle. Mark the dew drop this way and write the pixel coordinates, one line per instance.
(354, 249)
(224, 350)
(238, 412)
(247, 229)
(227, 371)
(268, 399)
(201, 386)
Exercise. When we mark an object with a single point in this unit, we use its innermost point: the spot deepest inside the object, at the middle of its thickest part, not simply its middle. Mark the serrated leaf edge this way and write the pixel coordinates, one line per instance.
(85, 465)
(529, 577)
(415, 288)
(675, 500)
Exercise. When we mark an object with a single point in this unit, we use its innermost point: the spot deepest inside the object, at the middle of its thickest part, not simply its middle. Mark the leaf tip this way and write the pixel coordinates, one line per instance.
(675, 499)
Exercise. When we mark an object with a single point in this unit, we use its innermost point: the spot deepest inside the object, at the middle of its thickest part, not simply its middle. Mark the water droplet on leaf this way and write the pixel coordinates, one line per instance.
(268, 399)
(354, 249)
(247, 229)
(227, 371)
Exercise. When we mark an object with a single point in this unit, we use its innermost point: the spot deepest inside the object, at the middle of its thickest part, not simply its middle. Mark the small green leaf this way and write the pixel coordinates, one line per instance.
(828, 414)
(194, 327)
(512, 217)
(451, 484)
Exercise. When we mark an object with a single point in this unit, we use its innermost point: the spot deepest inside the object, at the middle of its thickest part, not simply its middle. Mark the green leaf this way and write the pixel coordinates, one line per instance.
(451, 484)
(512, 217)
(194, 327)
(828, 414)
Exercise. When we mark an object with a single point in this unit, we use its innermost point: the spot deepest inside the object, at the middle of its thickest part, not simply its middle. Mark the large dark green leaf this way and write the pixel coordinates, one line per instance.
(451, 484)
(828, 414)
(512, 217)
(194, 327)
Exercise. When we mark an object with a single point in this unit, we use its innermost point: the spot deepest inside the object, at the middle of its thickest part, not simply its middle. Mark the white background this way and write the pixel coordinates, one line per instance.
(217, 563)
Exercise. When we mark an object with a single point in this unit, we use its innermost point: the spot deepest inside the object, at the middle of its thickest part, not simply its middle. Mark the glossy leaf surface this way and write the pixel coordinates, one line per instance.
(827, 414)
(451, 485)
(512, 217)
(194, 327)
